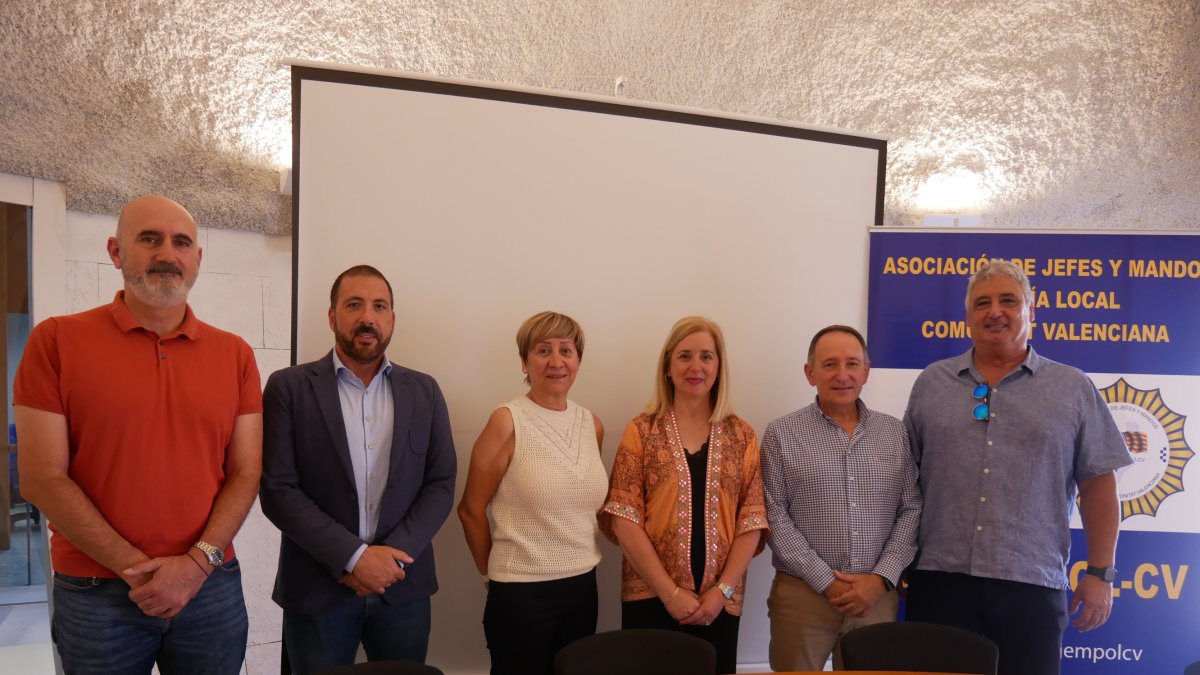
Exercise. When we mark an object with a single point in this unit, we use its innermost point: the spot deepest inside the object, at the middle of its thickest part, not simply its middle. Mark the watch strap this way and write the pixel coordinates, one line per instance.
(1108, 574)
(212, 554)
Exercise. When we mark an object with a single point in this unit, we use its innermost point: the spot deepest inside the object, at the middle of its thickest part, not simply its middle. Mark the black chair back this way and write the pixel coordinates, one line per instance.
(637, 652)
(912, 645)
(1193, 669)
(384, 668)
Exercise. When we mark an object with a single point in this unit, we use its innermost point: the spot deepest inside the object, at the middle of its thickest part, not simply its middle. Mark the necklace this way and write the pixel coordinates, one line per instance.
(712, 435)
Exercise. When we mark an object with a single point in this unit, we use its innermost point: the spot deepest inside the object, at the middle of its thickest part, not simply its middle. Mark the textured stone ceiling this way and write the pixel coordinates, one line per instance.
(1033, 113)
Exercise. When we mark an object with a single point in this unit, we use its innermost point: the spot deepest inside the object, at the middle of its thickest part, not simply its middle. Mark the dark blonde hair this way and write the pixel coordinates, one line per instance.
(664, 388)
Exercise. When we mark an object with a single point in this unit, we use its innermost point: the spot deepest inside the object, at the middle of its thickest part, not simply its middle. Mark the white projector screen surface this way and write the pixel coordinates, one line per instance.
(484, 206)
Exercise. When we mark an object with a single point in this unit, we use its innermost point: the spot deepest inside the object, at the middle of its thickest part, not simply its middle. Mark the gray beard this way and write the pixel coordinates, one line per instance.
(159, 295)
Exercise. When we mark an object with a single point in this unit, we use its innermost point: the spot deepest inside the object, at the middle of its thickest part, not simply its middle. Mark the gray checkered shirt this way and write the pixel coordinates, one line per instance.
(837, 503)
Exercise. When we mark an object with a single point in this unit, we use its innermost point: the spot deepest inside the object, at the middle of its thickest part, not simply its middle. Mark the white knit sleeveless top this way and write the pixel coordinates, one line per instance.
(544, 511)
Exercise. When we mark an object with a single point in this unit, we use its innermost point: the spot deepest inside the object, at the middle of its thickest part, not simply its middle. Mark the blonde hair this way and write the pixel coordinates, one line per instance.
(664, 388)
(545, 325)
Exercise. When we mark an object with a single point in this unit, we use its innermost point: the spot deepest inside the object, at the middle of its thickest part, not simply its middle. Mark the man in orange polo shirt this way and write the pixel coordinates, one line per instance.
(140, 432)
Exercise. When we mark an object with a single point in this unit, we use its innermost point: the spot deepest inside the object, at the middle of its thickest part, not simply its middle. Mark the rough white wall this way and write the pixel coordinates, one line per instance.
(245, 286)
(1036, 113)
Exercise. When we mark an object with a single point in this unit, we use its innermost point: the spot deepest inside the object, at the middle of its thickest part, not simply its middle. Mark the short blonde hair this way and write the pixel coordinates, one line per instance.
(664, 388)
(545, 325)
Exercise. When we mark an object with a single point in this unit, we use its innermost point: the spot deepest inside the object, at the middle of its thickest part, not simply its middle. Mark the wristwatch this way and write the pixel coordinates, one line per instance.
(214, 555)
(726, 591)
(1108, 574)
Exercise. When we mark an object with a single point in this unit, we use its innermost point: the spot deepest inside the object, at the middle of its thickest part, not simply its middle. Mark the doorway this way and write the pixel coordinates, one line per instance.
(22, 530)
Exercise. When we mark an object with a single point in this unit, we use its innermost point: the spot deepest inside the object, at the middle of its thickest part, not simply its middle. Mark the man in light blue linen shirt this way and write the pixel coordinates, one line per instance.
(358, 474)
(1003, 438)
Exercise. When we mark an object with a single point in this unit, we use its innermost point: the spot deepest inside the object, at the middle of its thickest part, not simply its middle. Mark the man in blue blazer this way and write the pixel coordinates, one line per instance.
(358, 474)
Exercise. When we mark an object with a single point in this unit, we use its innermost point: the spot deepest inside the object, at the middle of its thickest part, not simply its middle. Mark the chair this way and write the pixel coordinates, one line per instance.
(912, 645)
(1193, 669)
(384, 668)
(640, 651)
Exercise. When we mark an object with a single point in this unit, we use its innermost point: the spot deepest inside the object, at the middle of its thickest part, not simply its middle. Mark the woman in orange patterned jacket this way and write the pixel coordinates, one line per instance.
(685, 499)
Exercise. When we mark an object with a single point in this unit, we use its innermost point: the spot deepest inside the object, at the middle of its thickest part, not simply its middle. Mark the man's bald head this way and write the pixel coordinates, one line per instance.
(157, 249)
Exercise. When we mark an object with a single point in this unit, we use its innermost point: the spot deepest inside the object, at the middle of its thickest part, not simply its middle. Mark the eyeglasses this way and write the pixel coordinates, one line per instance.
(980, 393)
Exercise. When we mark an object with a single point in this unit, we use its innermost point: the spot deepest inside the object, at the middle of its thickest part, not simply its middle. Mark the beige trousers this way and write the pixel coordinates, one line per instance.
(805, 628)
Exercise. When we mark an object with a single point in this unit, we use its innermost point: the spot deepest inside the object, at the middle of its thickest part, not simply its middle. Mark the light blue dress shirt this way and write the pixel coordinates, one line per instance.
(368, 414)
(999, 493)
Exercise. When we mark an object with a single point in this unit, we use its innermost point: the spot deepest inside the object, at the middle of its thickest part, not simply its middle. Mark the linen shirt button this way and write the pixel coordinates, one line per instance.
(986, 470)
(983, 499)
(989, 442)
(978, 528)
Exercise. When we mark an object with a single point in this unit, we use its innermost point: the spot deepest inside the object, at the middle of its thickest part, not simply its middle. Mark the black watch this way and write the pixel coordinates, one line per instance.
(1108, 574)
(887, 583)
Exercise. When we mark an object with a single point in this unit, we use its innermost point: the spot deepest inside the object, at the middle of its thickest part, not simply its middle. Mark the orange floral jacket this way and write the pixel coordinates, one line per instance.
(650, 486)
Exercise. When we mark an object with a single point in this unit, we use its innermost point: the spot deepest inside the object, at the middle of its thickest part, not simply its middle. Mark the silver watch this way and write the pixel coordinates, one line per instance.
(214, 555)
(726, 591)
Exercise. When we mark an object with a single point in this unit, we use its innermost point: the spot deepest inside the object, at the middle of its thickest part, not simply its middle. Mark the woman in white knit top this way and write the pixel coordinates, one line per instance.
(537, 465)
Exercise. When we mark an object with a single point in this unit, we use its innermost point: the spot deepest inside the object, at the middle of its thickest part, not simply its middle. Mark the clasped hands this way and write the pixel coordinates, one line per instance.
(376, 570)
(696, 610)
(162, 587)
(854, 594)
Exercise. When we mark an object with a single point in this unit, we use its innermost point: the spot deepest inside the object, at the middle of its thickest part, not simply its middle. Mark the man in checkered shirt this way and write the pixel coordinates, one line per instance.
(843, 505)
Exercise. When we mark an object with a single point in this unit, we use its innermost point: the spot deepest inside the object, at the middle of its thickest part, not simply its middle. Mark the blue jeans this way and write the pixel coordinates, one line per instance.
(98, 629)
(388, 633)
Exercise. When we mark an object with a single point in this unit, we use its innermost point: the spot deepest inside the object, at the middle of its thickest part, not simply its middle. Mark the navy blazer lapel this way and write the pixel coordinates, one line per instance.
(325, 389)
(402, 404)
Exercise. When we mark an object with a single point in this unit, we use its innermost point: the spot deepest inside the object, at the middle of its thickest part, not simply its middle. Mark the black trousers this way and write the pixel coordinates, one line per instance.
(1024, 620)
(525, 624)
(721, 634)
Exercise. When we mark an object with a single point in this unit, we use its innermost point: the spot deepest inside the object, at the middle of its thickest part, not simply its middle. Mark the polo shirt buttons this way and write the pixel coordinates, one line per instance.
(162, 356)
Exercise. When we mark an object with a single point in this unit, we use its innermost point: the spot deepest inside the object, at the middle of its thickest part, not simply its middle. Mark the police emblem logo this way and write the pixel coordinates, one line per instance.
(1154, 435)
(1136, 441)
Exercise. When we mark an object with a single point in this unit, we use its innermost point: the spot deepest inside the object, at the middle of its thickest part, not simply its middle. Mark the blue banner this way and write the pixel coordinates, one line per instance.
(1156, 609)
(1103, 303)
(1124, 308)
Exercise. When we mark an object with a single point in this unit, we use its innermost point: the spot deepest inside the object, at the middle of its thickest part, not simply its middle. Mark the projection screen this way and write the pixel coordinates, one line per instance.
(484, 204)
